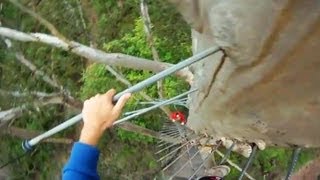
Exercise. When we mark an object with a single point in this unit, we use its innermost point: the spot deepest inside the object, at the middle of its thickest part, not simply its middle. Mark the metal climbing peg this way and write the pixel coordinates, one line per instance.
(293, 163)
(248, 163)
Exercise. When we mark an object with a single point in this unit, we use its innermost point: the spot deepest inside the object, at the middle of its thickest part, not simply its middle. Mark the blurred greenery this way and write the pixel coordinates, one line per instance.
(271, 163)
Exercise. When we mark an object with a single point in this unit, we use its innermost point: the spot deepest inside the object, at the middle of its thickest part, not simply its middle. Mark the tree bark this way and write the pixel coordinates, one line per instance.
(266, 84)
(8, 115)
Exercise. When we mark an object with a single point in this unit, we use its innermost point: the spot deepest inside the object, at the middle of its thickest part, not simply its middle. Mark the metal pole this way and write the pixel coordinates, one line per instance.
(168, 71)
(205, 160)
(185, 164)
(177, 158)
(154, 107)
(248, 163)
(28, 144)
(225, 157)
(294, 159)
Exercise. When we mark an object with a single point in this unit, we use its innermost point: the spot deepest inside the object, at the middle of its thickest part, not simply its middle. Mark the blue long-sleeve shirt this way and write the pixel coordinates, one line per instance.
(82, 164)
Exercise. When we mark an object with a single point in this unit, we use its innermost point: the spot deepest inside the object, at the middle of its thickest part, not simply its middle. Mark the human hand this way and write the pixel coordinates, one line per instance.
(99, 113)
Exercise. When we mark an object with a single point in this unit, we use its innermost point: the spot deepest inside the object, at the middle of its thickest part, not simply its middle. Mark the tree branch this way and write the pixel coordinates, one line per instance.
(20, 57)
(13, 113)
(114, 59)
(150, 40)
(43, 21)
(67, 98)
(28, 134)
(43, 99)
(24, 94)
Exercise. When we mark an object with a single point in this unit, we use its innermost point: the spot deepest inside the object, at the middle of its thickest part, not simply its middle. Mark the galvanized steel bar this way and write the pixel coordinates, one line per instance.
(28, 144)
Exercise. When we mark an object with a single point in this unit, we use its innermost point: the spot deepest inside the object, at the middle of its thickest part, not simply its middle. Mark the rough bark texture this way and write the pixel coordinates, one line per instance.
(266, 85)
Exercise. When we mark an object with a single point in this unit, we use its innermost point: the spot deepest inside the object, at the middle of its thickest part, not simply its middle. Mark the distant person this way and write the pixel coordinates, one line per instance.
(99, 113)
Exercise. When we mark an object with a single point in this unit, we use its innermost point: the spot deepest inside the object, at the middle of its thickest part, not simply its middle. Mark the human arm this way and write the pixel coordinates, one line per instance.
(98, 113)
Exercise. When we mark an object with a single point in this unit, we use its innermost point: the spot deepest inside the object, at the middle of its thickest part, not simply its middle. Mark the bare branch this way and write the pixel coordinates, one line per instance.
(24, 94)
(37, 72)
(71, 101)
(114, 59)
(81, 15)
(43, 21)
(43, 99)
(126, 82)
(150, 40)
(67, 98)
(13, 113)
(27, 134)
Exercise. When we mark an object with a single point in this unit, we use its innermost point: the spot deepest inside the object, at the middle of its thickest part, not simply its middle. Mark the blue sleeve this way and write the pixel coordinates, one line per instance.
(82, 164)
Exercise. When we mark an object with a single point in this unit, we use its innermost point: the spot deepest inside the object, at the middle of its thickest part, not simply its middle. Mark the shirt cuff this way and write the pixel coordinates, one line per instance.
(84, 158)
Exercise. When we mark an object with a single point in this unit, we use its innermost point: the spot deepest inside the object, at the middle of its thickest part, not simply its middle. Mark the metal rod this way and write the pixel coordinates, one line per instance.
(168, 71)
(248, 163)
(177, 102)
(28, 144)
(225, 157)
(163, 143)
(182, 167)
(163, 157)
(189, 159)
(173, 136)
(161, 150)
(293, 163)
(168, 130)
(204, 161)
(234, 165)
(154, 107)
(172, 162)
(170, 133)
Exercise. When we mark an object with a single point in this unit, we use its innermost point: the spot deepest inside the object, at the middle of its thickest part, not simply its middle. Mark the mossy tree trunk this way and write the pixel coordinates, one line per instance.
(265, 86)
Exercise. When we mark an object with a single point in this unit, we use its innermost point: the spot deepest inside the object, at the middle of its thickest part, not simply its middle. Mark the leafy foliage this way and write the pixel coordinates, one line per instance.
(96, 79)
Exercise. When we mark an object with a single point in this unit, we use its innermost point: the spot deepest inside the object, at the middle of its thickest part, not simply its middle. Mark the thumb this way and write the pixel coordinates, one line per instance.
(121, 102)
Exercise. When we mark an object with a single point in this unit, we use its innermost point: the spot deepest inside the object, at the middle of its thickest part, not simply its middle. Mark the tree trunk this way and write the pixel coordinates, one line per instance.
(266, 86)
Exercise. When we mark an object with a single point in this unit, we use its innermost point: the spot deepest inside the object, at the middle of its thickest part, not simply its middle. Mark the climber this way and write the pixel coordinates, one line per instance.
(98, 113)
(179, 117)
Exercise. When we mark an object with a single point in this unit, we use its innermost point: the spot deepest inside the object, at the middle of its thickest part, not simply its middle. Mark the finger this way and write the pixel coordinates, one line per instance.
(108, 96)
(85, 104)
(121, 102)
(97, 95)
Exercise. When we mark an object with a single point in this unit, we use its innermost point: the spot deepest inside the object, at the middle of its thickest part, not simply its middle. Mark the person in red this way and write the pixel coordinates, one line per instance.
(179, 117)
